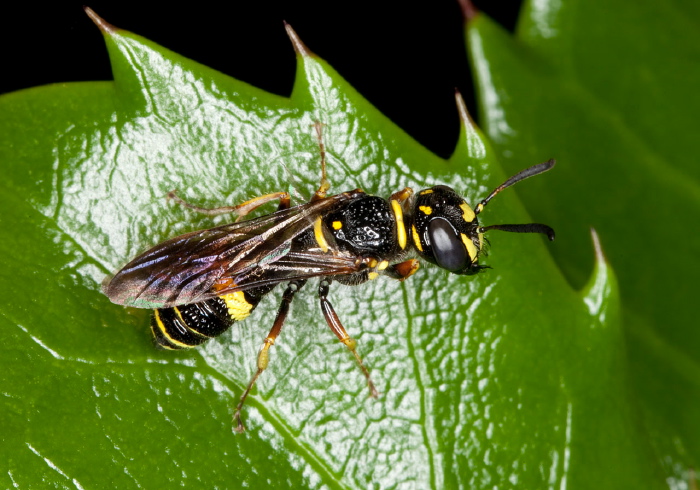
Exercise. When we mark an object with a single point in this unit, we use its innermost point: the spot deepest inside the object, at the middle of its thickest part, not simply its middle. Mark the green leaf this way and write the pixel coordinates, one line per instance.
(507, 378)
(610, 88)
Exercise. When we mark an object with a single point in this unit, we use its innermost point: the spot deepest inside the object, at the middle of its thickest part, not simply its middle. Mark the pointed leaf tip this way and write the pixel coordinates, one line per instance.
(599, 291)
(597, 247)
(469, 11)
(299, 46)
(103, 25)
(471, 142)
(464, 115)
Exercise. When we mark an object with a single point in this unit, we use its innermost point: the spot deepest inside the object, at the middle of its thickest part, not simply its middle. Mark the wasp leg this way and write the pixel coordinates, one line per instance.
(264, 355)
(325, 185)
(338, 329)
(402, 195)
(402, 270)
(239, 210)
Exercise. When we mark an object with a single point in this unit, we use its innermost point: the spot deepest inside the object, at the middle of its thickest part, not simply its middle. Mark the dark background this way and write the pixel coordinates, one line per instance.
(405, 59)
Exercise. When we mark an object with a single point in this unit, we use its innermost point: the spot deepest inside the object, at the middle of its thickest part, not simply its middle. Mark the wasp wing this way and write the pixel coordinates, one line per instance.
(238, 256)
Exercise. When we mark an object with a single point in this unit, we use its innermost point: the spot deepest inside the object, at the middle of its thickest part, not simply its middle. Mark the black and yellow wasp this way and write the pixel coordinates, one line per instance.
(200, 283)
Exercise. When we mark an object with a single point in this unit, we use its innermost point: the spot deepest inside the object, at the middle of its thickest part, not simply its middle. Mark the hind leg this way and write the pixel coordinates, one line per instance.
(263, 354)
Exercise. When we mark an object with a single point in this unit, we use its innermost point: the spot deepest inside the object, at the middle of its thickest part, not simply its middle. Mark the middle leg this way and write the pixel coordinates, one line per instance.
(334, 323)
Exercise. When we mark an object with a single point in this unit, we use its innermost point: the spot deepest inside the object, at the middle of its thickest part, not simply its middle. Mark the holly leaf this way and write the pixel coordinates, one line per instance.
(610, 91)
(510, 376)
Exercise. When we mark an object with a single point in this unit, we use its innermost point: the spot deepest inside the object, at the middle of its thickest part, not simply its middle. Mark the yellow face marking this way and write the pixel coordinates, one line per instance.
(238, 307)
(372, 275)
(427, 191)
(471, 248)
(383, 265)
(318, 234)
(427, 210)
(416, 238)
(164, 331)
(400, 228)
(468, 215)
(337, 225)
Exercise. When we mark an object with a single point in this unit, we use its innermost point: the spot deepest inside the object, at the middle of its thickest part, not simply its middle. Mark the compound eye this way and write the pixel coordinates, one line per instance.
(448, 249)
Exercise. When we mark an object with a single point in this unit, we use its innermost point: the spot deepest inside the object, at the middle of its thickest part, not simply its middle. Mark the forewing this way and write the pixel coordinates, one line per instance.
(295, 265)
(185, 269)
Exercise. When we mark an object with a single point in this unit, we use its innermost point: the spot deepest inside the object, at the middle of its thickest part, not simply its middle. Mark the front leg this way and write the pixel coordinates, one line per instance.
(402, 270)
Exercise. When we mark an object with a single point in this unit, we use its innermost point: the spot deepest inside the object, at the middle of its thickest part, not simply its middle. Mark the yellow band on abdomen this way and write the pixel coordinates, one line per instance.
(238, 307)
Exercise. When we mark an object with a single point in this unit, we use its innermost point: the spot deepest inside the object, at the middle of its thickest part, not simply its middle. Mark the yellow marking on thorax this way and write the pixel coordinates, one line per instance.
(318, 234)
(337, 225)
(238, 307)
(416, 238)
(427, 210)
(372, 275)
(372, 263)
(468, 215)
(400, 228)
(427, 191)
(471, 248)
(383, 265)
(164, 331)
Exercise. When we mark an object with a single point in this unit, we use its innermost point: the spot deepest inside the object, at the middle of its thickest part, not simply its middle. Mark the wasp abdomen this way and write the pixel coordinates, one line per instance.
(184, 326)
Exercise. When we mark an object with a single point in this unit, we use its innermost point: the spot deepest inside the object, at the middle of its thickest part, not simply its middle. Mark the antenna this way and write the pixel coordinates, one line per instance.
(528, 228)
(525, 228)
(528, 172)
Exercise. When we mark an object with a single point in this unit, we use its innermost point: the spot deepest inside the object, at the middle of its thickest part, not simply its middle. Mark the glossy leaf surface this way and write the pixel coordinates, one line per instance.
(510, 378)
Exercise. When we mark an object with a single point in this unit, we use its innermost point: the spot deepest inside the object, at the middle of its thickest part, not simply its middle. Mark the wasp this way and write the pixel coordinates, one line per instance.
(200, 283)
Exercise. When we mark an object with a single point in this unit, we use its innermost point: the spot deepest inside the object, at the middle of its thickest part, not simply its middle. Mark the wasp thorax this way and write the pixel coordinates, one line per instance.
(445, 230)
